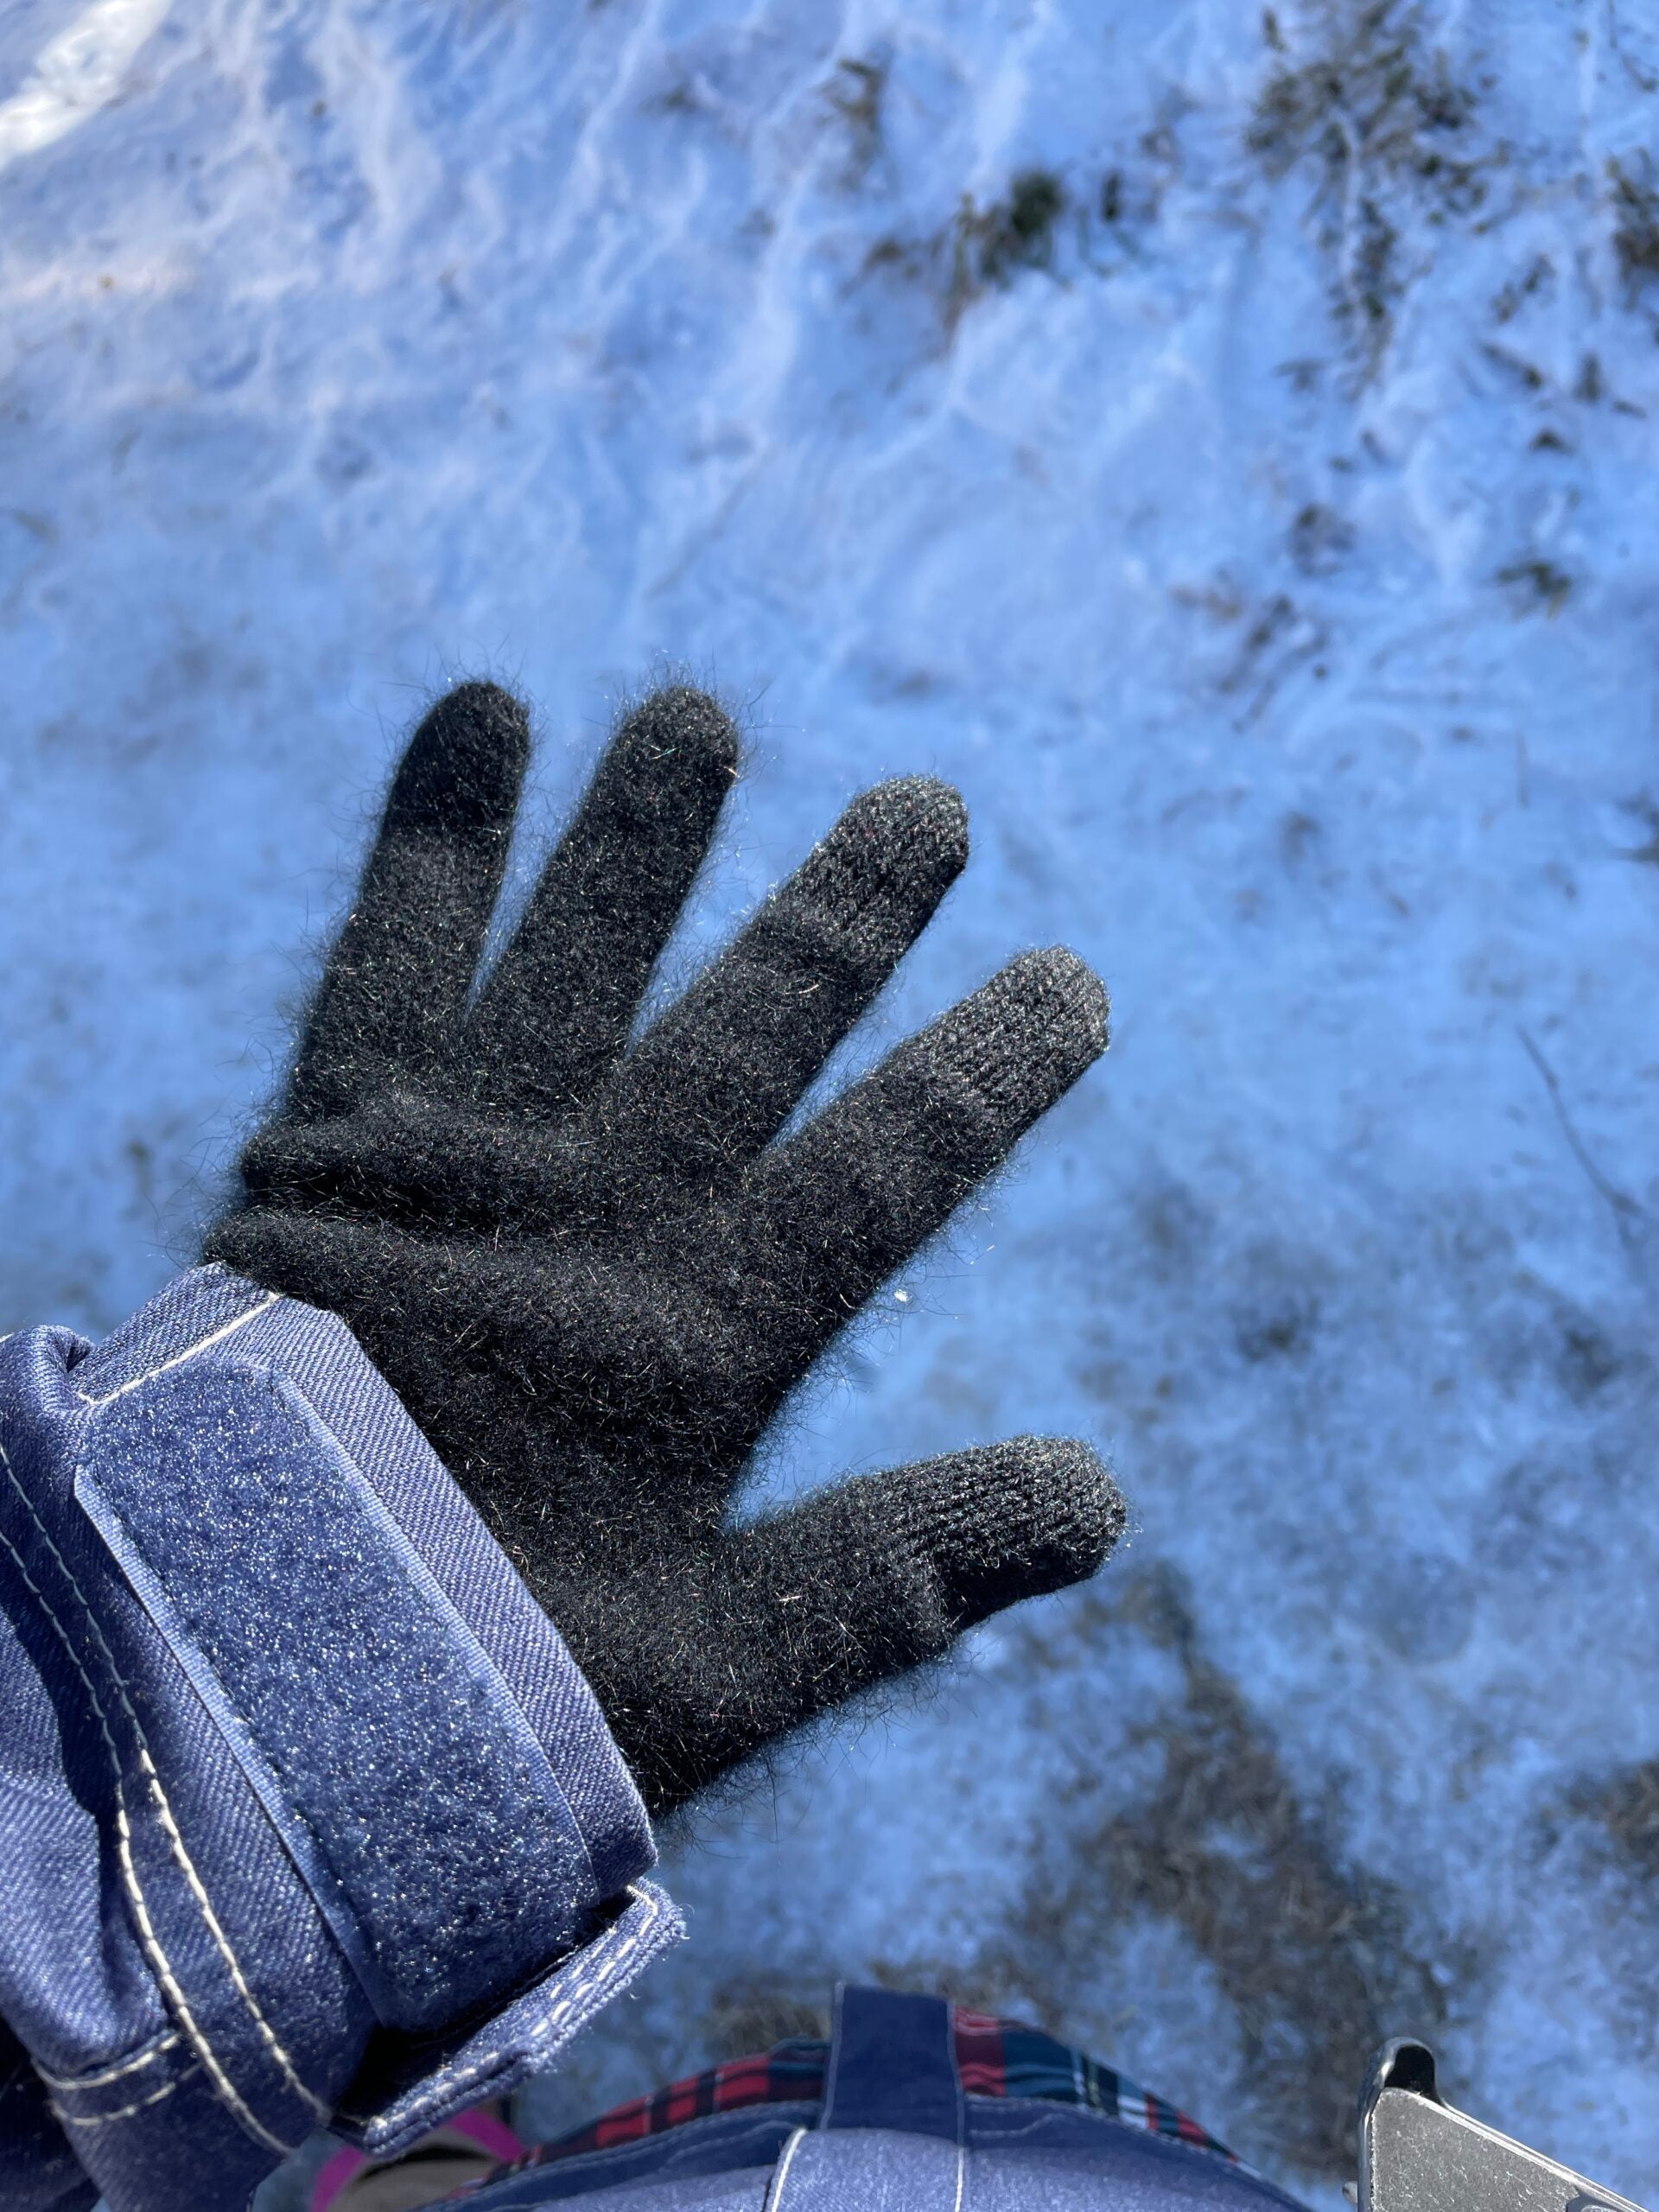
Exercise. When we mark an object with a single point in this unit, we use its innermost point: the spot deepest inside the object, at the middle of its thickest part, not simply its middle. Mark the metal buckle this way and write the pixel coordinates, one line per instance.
(1416, 2154)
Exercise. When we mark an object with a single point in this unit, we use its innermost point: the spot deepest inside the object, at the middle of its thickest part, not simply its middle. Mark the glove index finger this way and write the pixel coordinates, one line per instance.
(395, 988)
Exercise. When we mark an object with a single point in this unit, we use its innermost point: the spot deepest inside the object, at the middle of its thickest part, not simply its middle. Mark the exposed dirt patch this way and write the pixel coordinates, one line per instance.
(989, 245)
(1321, 540)
(1634, 201)
(750, 2015)
(1540, 586)
(1626, 1804)
(1361, 99)
(981, 250)
(1318, 1960)
(856, 94)
(1600, 1840)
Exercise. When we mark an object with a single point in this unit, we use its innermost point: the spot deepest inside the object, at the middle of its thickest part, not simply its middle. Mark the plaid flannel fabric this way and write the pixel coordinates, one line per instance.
(1005, 2058)
(996, 2058)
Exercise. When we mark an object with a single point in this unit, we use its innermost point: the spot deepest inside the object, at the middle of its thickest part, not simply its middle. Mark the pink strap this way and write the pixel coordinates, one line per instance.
(481, 2125)
(341, 2168)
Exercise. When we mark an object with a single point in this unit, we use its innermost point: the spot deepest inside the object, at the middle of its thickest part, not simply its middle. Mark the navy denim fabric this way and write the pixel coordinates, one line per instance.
(895, 2134)
(307, 1814)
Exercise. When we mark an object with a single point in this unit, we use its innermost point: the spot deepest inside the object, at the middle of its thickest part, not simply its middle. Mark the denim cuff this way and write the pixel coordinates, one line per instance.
(344, 1835)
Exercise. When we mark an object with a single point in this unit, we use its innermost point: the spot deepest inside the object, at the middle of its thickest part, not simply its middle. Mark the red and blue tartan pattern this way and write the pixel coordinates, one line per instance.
(789, 2072)
(1005, 2058)
(995, 2058)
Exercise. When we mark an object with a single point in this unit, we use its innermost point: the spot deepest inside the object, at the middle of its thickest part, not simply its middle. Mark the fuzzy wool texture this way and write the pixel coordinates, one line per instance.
(595, 1270)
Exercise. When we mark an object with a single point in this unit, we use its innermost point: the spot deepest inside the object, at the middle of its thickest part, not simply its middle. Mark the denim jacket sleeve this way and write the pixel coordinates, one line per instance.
(307, 1816)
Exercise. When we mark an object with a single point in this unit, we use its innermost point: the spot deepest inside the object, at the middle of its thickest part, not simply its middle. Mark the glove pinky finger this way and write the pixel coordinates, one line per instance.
(794, 1615)
(883, 1572)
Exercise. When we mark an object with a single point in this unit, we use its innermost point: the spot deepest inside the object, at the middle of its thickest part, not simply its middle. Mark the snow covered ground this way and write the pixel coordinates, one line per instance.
(1221, 442)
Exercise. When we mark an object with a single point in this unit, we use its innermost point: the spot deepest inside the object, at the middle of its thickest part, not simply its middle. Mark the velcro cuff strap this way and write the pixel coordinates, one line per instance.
(378, 1730)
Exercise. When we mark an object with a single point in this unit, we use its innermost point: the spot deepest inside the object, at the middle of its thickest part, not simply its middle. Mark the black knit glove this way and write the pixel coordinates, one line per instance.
(594, 1271)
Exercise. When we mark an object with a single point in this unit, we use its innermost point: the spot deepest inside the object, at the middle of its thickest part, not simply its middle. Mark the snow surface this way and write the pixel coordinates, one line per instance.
(1267, 547)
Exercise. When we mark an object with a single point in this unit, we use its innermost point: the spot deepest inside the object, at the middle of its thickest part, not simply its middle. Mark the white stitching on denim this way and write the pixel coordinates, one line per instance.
(148, 1936)
(169, 1826)
(445, 2082)
(157, 2049)
(326, 2114)
(604, 1969)
(202, 1343)
(775, 2193)
(102, 2119)
(319, 2110)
